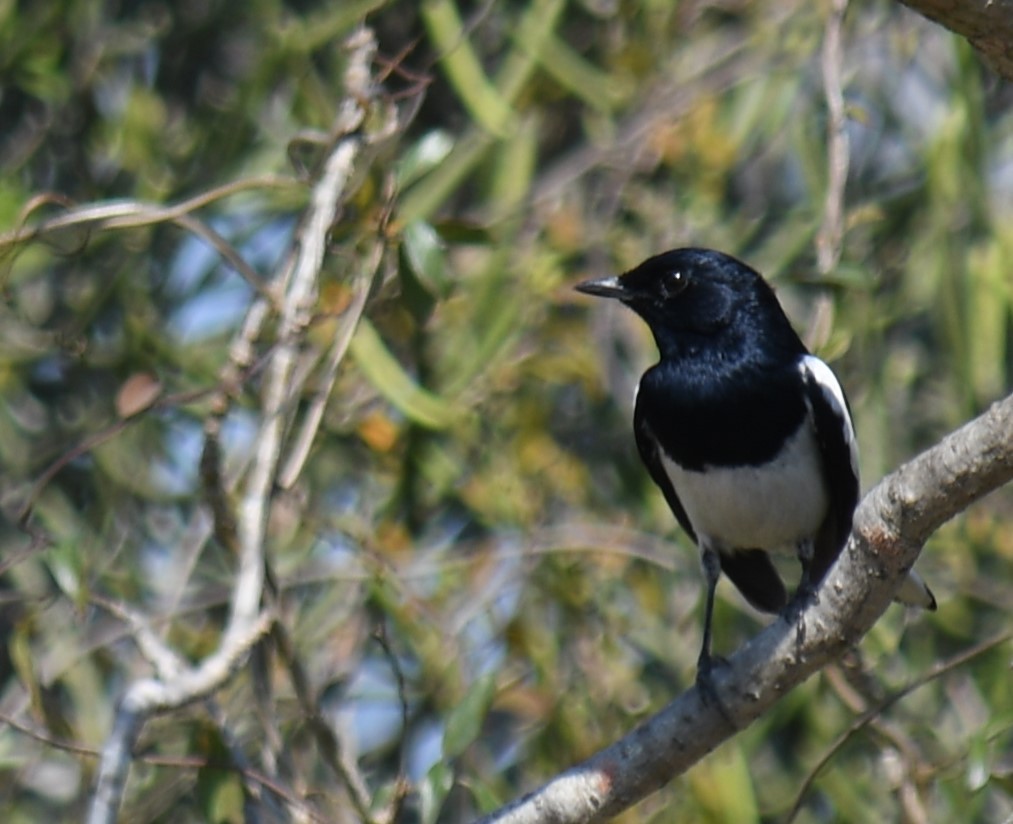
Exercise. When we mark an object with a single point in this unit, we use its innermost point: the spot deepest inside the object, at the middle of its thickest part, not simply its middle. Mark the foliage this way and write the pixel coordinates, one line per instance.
(478, 578)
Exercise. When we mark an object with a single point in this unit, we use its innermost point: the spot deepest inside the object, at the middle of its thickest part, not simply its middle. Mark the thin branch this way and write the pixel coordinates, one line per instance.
(831, 232)
(162, 658)
(248, 621)
(330, 746)
(181, 762)
(891, 525)
(129, 214)
(300, 449)
(225, 249)
(45, 738)
(24, 512)
(870, 715)
(402, 784)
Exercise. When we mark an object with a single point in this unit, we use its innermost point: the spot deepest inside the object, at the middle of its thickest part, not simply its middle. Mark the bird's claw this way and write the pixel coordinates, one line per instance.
(792, 613)
(707, 687)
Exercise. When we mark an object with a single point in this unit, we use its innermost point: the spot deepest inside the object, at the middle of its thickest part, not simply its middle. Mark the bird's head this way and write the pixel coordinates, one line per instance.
(689, 294)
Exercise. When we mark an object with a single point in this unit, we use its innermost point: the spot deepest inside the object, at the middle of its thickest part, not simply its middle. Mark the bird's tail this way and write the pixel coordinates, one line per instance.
(914, 592)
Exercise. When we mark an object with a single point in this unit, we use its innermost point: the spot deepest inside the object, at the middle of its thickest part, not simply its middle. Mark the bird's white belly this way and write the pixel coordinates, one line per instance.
(771, 507)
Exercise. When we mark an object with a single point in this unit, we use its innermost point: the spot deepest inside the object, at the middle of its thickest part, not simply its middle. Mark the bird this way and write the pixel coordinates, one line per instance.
(748, 434)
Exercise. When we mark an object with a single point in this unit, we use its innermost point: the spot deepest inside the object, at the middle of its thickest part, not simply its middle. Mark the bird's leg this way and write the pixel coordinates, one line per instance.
(806, 586)
(711, 571)
(705, 663)
(806, 592)
(805, 552)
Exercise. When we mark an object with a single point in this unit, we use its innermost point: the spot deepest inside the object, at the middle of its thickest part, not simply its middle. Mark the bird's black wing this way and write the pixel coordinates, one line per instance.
(650, 454)
(751, 570)
(835, 435)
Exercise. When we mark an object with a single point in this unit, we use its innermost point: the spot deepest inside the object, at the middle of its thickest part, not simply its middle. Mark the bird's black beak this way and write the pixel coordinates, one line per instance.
(603, 288)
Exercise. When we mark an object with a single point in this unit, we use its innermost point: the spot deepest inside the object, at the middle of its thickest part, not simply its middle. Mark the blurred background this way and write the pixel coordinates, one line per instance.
(478, 575)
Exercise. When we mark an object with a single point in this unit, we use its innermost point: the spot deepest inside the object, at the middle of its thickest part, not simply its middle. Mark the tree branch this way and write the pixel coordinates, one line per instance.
(987, 25)
(177, 684)
(891, 525)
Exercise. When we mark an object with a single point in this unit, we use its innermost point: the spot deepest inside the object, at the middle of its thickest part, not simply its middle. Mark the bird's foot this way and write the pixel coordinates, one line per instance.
(708, 688)
(792, 614)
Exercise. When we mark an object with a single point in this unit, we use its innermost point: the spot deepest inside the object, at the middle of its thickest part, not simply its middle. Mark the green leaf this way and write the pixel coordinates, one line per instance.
(386, 374)
(433, 791)
(424, 155)
(597, 88)
(466, 719)
(486, 799)
(432, 191)
(978, 768)
(219, 792)
(424, 252)
(426, 196)
(514, 172)
(985, 327)
(722, 784)
(464, 70)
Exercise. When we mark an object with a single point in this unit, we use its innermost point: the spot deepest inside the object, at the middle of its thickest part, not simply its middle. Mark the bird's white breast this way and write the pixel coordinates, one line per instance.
(772, 506)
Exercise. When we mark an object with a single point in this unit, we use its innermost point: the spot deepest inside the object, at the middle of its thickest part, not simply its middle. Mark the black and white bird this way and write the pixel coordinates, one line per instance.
(748, 435)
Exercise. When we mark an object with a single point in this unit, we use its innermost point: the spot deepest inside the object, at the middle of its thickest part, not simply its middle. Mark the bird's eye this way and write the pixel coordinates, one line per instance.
(673, 282)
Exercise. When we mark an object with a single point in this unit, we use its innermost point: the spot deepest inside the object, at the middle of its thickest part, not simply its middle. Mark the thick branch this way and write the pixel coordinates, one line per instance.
(987, 25)
(891, 525)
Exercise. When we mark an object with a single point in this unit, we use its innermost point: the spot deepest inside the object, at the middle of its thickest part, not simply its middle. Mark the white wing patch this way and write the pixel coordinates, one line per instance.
(825, 379)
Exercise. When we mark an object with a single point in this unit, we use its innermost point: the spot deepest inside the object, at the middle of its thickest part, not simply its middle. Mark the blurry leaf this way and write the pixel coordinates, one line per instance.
(219, 791)
(463, 231)
(393, 538)
(599, 89)
(515, 167)
(977, 773)
(433, 791)
(724, 787)
(137, 393)
(534, 30)
(379, 431)
(990, 304)
(19, 648)
(465, 721)
(494, 325)
(145, 117)
(334, 299)
(386, 374)
(315, 30)
(849, 275)
(420, 201)
(424, 251)
(128, 458)
(221, 794)
(422, 156)
(442, 468)
(64, 562)
(416, 297)
(486, 799)
(463, 68)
